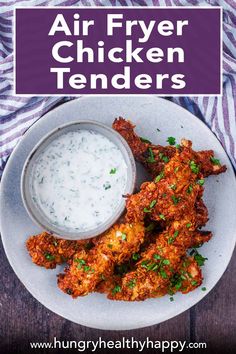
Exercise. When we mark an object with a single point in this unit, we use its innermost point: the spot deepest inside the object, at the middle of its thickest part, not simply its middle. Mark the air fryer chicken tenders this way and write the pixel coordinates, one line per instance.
(146, 254)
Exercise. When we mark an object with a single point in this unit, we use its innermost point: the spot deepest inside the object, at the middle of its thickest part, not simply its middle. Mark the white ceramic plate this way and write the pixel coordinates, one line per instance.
(149, 113)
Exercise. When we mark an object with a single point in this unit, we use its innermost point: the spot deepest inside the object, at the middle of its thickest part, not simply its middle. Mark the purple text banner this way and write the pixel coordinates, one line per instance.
(74, 51)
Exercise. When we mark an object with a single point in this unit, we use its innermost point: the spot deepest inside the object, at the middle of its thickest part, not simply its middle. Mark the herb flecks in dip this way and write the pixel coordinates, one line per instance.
(79, 179)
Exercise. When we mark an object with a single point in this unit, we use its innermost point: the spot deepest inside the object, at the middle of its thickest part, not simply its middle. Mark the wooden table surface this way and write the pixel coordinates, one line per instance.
(24, 319)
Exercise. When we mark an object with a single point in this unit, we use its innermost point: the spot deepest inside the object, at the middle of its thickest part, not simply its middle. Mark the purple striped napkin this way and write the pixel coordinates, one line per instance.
(17, 114)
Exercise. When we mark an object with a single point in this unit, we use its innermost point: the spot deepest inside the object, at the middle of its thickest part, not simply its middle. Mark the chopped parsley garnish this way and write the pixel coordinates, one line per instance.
(171, 140)
(144, 140)
(178, 146)
(190, 189)
(82, 264)
(80, 261)
(131, 284)
(199, 259)
(153, 203)
(201, 182)
(215, 161)
(113, 171)
(203, 288)
(161, 216)
(188, 225)
(87, 268)
(171, 299)
(159, 177)
(166, 261)
(175, 199)
(49, 256)
(146, 210)
(123, 236)
(194, 282)
(116, 289)
(163, 157)
(163, 274)
(109, 245)
(151, 157)
(178, 284)
(158, 130)
(173, 187)
(135, 256)
(156, 256)
(171, 239)
(194, 167)
(156, 266)
(106, 186)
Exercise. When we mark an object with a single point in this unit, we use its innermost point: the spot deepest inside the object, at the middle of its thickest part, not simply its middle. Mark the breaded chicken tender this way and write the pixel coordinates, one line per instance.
(188, 278)
(154, 157)
(48, 251)
(87, 269)
(158, 262)
(172, 193)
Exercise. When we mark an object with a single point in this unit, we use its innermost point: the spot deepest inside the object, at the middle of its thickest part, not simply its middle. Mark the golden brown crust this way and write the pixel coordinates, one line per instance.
(87, 269)
(48, 251)
(173, 194)
(143, 151)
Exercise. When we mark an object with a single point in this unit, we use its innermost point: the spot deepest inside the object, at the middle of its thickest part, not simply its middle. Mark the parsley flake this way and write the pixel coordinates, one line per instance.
(123, 236)
(113, 171)
(116, 289)
(135, 256)
(215, 161)
(49, 256)
(201, 182)
(194, 167)
(171, 140)
(175, 199)
(159, 177)
(151, 158)
(153, 203)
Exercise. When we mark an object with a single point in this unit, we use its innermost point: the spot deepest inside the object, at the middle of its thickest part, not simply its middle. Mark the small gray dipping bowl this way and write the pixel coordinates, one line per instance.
(37, 215)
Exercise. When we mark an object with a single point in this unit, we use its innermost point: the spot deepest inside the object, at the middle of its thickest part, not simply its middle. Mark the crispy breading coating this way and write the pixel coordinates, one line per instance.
(158, 263)
(87, 269)
(188, 278)
(154, 157)
(172, 194)
(48, 251)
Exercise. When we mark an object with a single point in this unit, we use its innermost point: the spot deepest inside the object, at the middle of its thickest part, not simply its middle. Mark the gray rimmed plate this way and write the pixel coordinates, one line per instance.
(149, 113)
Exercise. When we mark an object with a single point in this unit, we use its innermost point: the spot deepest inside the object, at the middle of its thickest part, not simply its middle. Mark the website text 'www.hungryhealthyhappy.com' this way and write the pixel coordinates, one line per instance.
(124, 343)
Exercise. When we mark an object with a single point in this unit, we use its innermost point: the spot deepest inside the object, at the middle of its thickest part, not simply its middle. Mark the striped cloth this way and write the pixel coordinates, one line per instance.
(17, 114)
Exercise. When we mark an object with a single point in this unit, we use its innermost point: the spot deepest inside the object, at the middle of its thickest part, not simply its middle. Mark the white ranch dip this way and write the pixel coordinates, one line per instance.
(79, 179)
